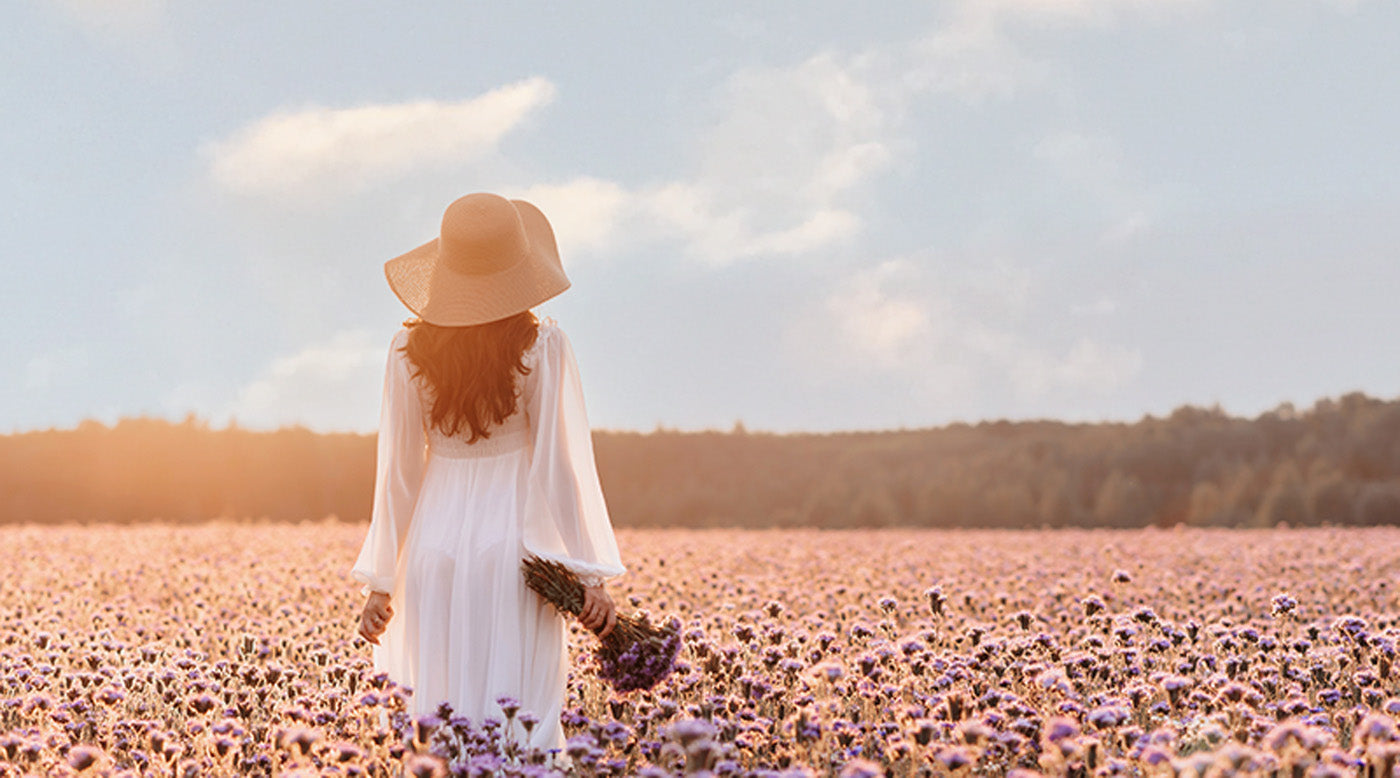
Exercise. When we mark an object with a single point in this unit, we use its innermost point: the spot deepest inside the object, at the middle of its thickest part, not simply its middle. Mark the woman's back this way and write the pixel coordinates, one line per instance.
(455, 518)
(454, 514)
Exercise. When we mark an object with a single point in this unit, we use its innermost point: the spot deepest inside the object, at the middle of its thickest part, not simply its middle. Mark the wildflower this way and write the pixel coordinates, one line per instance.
(1375, 726)
(425, 766)
(1282, 605)
(1108, 716)
(1059, 728)
(509, 706)
(936, 599)
(955, 757)
(81, 758)
(861, 768)
(1350, 626)
(346, 752)
(423, 727)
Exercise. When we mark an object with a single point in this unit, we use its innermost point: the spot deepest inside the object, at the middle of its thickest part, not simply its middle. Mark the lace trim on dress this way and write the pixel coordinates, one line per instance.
(513, 435)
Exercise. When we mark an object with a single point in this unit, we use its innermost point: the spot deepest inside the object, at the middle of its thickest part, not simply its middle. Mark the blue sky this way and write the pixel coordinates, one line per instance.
(804, 216)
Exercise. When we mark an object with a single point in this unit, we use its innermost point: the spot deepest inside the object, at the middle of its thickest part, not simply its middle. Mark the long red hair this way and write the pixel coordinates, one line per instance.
(471, 370)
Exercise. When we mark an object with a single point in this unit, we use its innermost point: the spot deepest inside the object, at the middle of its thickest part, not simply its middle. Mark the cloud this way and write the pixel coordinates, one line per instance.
(782, 165)
(872, 321)
(318, 152)
(777, 171)
(1104, 306)
(118, 17)
(957, 333)
(330, 386)
(1087, 366)
(1082, 11)
(586, 213)
(971, 59)
(63, 367)
(1094, 161)
(974, 55)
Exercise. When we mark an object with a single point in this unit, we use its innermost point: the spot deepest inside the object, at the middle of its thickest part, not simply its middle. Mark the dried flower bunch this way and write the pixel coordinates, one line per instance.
(635, 655)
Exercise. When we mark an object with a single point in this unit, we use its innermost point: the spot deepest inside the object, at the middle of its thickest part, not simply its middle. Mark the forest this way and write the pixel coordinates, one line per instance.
(1336, 463)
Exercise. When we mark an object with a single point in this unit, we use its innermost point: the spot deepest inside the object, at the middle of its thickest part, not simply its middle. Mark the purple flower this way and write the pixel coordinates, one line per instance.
(687, 731)
(81, 758)
(955, 757)
(1283, 605)
(862, 768)
(1059, 728)
(1108, 716)
(509, 706)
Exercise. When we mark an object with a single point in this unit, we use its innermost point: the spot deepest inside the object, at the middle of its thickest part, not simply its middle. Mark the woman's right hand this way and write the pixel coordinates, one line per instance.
(375, 617)
(599, 613)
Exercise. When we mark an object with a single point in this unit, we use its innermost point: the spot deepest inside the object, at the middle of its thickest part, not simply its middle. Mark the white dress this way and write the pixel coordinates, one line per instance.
(450, 525)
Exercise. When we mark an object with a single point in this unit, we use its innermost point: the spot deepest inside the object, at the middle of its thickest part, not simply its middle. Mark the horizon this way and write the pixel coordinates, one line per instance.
(807, 219)
(738, 426)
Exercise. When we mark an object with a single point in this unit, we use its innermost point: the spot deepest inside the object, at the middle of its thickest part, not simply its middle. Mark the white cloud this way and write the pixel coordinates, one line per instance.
(1094, 161)
(872, 321)
(331, 386)
(974, 56)
(1083, 11)
(1127, 229)
(957, 334)
(781, 166)
(1088, 366)
(778, 173)
(323, 151)
(586, 213)
(120, 17)
(62, 367)
(1104, 306)
(821, 229)
(1098, 367)
(971, 59)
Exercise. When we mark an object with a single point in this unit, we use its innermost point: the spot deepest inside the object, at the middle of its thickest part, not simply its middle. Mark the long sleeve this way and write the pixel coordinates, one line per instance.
(400, 459)
(566, 519)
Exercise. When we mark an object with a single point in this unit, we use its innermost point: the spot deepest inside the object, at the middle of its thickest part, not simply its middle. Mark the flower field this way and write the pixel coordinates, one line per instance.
(230, 649)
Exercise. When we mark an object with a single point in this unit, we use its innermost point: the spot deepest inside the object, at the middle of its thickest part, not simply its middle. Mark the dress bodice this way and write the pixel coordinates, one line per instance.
(511, 435)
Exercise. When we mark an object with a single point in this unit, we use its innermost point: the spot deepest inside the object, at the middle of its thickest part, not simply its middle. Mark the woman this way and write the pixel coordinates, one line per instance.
(484, 456)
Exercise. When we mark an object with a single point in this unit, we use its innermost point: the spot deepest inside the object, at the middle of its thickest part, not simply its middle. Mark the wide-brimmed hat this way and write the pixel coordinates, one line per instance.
(493, 258)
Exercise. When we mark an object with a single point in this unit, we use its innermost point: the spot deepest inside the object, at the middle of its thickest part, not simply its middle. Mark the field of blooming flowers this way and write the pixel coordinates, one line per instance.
(230, 649)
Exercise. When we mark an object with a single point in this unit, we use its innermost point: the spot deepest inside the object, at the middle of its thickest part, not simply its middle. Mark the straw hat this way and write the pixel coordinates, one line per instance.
(493, 258)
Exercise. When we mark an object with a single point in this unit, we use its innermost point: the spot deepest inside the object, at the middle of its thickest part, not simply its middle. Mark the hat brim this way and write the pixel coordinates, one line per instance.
(438, 295)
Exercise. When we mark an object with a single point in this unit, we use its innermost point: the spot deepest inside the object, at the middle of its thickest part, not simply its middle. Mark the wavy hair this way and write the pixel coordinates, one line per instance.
(471, 370)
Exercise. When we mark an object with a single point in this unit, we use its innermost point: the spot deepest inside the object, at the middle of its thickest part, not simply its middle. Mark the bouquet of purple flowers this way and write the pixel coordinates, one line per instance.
(635, 655)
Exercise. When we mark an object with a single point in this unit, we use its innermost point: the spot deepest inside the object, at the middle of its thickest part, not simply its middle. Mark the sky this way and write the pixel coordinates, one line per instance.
(795, 215)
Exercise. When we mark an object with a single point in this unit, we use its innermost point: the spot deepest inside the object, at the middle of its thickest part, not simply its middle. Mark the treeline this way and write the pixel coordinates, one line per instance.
(1336, 463)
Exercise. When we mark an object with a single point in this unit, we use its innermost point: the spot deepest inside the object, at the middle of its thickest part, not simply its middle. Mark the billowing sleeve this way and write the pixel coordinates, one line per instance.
(566, 519)
(400, 459)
